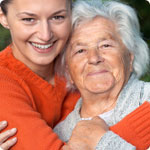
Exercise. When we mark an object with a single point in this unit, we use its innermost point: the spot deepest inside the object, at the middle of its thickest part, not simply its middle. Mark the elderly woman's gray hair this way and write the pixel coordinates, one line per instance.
(127, 25)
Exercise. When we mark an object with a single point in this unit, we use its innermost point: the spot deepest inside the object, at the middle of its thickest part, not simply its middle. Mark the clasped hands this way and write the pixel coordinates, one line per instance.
(87, 134)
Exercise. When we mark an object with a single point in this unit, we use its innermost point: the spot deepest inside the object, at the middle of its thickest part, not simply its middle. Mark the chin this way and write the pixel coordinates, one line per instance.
(101, 87)
(99, 90)
(43, 61)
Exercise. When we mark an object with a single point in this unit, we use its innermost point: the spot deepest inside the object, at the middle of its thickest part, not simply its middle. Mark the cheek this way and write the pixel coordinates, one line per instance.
(22, 33)
(76, 70)
(115, 63)
(128, 63)
(120, 66)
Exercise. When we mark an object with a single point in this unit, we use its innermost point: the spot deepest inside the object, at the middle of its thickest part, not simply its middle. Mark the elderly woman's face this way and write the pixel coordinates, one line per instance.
(97, 59)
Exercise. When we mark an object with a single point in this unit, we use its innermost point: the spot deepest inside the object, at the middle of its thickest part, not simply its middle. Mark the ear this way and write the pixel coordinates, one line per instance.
(3, 19)
(131, 61)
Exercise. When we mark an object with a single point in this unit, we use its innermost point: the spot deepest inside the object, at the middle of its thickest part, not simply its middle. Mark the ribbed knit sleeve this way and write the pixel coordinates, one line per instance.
(112, 141)
(135, 127)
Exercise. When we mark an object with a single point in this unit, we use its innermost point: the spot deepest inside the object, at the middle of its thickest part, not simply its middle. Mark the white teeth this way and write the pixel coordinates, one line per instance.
(42, 46)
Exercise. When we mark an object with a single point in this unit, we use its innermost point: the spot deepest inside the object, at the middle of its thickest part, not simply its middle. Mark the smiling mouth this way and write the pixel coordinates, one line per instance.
(97, 72)
(42, 46)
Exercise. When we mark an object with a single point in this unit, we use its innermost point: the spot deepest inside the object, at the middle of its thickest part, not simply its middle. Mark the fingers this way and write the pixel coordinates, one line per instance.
(98, 120)
(9, 143)
(5, 144)
(66, 147)
(3, 124)
(5, 135)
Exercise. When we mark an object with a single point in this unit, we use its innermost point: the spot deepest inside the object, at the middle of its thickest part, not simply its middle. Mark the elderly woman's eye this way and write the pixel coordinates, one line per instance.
(80, 51)
(106, 45)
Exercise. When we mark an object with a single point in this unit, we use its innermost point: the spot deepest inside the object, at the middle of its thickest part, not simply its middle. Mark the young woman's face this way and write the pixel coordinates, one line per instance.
(39, 29)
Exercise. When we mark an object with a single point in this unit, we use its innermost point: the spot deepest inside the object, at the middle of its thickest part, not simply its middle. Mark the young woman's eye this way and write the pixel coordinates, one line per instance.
(28, 19)
(58, 18)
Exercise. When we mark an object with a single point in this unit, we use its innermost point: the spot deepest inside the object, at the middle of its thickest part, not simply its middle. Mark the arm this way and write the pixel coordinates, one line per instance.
(133, 129)
(18, 108)
(95, 134)
(113, 141)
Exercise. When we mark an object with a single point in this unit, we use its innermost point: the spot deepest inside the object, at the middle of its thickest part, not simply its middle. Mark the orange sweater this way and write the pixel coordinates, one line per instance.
(135, 127)
(31, 104)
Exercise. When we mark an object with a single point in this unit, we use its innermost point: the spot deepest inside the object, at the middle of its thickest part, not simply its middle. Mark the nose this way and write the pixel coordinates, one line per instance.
(94, 57)
(45, 32)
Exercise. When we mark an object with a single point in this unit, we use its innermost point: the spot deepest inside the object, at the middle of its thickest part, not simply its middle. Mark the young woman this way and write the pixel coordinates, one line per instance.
(32, 93)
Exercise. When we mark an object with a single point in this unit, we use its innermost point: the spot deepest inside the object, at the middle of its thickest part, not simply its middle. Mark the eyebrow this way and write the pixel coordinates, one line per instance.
(84, 44)
(32, 15)
(77, 44)
(26, 13)
(60, 11)
(72, 45)
(106, 39)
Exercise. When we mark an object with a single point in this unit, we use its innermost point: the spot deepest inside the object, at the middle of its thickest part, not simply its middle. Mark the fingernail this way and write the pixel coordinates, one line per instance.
(4, 122)
(13, 130)
(14, 139)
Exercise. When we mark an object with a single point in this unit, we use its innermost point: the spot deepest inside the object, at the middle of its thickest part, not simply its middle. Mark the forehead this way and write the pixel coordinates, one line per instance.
(99, 27)
(38, 5)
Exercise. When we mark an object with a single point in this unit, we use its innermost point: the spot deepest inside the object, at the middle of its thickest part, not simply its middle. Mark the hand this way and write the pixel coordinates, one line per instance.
(87, 134)
(5, 144)
(65, 147)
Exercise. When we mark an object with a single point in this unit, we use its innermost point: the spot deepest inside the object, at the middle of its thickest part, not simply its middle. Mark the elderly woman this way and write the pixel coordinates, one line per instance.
(105, 57)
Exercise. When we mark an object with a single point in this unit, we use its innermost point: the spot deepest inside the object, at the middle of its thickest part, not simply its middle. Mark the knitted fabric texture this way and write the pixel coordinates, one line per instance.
(135, 127)
(31, 104)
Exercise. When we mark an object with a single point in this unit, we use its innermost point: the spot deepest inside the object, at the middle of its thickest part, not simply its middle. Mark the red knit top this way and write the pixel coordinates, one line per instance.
(31, 104)
(135, 127)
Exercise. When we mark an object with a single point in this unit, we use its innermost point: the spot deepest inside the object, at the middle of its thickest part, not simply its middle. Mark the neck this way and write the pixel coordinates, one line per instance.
(96, 104)
(46, 72)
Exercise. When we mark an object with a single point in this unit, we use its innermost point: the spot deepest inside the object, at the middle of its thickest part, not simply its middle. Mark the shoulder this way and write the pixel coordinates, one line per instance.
(13, 85)
(146, 92)
(8, 65)
(10, 79)
(5, 54)
(8, 61)
(10, 68)
(139, 90)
